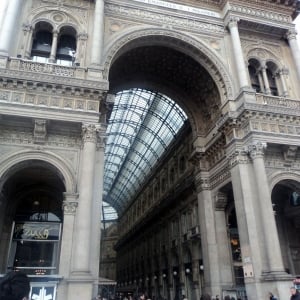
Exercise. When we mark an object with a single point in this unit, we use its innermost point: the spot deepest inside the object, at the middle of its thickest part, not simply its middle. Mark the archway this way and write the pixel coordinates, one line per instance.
(286, 205)
(32, 193)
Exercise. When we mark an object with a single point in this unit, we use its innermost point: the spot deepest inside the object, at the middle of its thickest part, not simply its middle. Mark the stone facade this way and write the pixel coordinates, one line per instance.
(219, 214)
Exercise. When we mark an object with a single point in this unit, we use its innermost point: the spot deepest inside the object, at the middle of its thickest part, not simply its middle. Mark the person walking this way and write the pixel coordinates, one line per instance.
(294, 294)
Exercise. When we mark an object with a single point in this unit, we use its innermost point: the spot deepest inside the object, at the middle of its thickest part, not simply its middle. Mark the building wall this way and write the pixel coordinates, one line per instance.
(239, 147)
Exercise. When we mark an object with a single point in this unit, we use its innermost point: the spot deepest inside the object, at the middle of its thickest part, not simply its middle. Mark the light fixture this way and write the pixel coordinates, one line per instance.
(155, 277)
(36, 203)
(187, 271)
(175, 273)
(201, 267)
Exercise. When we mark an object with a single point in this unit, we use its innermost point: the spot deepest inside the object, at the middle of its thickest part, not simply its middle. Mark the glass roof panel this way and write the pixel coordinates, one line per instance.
(141, 126)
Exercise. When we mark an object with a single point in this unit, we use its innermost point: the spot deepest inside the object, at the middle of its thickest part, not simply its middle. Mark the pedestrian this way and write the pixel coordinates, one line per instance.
(294, 293)
(14, 286)
(271, 296)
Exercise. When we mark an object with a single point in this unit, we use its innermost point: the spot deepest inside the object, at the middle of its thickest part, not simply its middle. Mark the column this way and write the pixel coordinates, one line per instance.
(291, 36)
(53, 47)
(81, 257)
(222, 240)
(98, 34)
(249, 226)
(97, 204)
(269, 229)
(265, 80)
(28, 31)
(238, 53)
(70, 204)
(8, 27)
(208, 236)
(283, 83)
(261, 82)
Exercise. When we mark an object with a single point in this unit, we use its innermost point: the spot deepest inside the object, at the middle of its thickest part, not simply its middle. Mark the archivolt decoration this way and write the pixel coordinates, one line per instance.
(188, 45)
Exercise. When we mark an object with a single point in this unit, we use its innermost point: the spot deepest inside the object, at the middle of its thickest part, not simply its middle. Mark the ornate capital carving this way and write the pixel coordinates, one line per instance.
(257, 149)
(82, 36)
(291, 34)
(70, 207)
(233, 22)
(70, 203)
(27, 27)
(89, 132)
(239, 156)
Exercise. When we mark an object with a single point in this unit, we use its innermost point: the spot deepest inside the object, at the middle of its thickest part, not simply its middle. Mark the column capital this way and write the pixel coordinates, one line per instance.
(27, 27)
(291, 34)
(232, 22)
(239, 156)
(90, 132)
(257, 149)
(70, 203)
(55, 32)
(83, 36)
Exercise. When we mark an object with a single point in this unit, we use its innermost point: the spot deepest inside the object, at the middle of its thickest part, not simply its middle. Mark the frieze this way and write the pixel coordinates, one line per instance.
(60, 3)
(43, 100)
(261, 13)
(25, 137)
(163, 19)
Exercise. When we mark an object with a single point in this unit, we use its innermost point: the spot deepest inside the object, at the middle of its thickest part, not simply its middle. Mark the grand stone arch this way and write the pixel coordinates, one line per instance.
(10, 163)
(280, 176)
(181, 42)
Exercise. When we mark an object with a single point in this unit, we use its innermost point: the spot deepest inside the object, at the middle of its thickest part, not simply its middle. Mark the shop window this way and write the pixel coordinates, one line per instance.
(34, 247)
(36, 233)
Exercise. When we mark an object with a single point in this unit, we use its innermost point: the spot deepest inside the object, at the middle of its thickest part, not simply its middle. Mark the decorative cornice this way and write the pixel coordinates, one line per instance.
(166, 19)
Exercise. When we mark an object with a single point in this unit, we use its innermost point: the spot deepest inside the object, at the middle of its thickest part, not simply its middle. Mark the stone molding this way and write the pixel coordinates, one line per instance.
(192, 24)
(266, 14)
(10, 160)
(55, 101)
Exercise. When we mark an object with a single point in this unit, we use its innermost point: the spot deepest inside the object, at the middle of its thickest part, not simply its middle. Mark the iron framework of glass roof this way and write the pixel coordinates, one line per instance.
(141, 127)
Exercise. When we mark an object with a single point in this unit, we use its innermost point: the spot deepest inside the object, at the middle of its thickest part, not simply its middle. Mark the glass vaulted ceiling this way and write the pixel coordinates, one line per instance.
(141, 126)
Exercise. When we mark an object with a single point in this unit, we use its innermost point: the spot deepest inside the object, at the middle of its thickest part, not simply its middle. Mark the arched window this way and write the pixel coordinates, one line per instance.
(66, 47)
(42, 42)
(253, 68)
(271, 74)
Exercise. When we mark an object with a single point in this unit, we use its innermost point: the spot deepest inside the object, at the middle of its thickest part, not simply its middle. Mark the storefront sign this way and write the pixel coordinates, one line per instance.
(36, 231)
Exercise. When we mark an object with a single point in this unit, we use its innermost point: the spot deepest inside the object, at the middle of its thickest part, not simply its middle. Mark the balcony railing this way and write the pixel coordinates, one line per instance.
(277, 101)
